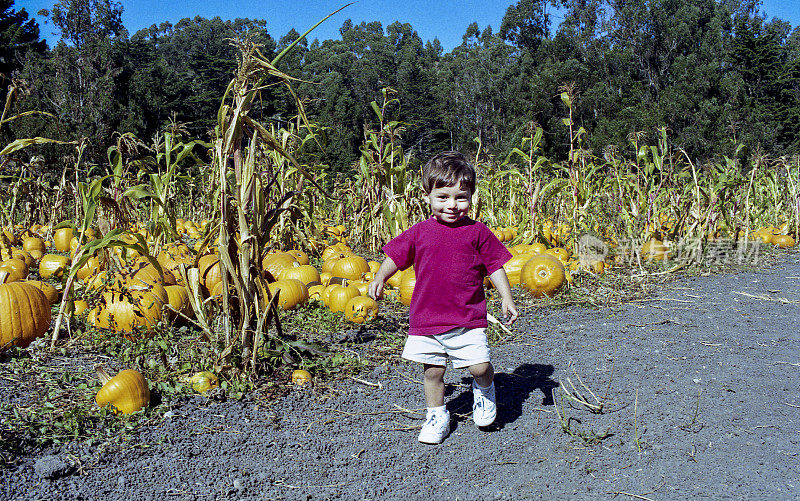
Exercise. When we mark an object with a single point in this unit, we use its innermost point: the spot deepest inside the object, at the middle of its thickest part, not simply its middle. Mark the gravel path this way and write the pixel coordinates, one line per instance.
(699, 395)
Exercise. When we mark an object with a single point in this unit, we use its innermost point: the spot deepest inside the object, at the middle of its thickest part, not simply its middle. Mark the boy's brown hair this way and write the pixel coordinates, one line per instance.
(448, 168)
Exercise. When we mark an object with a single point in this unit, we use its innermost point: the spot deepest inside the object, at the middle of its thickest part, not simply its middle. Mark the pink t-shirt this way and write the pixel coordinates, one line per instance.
(450, 264)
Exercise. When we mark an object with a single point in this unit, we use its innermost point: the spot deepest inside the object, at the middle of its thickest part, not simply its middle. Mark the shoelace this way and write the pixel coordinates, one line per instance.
(431, 419)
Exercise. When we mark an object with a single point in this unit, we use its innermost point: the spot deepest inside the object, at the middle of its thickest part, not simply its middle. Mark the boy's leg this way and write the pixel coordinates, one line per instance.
(437, 419)
(434, 385)
(484, 406)
(483, 374)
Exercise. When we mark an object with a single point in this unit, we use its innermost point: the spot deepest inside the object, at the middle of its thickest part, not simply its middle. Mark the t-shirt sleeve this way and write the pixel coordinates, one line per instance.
(401, 249)
(492, 252)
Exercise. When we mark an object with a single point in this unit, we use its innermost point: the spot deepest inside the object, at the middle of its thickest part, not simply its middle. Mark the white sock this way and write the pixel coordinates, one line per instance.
(482, 388)
(437, 410)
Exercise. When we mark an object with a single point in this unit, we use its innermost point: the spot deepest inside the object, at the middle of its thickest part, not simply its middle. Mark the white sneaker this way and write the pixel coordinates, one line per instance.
(436, 427)
(484, 406)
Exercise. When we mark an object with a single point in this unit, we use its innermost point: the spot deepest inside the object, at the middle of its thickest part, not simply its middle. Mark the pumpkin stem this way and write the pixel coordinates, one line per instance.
(102, 374)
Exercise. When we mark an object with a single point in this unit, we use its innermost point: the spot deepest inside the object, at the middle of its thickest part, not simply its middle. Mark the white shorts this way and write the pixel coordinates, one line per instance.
(463, 346)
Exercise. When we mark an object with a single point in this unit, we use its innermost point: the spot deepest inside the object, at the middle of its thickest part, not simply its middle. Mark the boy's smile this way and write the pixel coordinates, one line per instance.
(449, 203)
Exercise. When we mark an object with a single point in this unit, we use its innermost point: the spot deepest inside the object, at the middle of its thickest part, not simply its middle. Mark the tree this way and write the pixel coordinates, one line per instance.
(18, 36)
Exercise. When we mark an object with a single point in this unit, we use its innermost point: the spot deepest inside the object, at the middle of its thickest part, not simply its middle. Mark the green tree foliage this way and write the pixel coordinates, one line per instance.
(18, 36)
(713, 72)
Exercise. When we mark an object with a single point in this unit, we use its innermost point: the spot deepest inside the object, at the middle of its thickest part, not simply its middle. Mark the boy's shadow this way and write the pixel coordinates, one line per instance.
(512, 388)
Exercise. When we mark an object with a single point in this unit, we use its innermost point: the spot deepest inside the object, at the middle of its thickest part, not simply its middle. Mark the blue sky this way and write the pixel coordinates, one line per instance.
(446, 20)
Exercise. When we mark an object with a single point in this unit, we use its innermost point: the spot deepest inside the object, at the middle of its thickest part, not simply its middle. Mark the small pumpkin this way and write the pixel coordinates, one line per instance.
(210, 273)
(654, 250)
(203, 381)
(178, 299)
(127, 307)
(127, 392)
(299, 256)
(301, 377)
(361, 309)
(782, 241)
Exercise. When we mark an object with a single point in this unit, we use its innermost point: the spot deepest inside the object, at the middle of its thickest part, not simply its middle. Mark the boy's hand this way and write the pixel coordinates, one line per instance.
(509, 310)
(375, 289)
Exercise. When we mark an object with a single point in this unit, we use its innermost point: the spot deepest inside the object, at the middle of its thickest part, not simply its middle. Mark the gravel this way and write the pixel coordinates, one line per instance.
(697, 384)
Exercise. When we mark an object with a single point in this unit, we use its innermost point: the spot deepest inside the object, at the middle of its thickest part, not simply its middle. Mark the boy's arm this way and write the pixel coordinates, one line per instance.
(387, 269)
(500, 281)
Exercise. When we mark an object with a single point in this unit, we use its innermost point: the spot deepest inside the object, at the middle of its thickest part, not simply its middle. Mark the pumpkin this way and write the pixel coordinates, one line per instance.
(16, 268)
(782, 241)
(362, 286)
(361, 309)
(374, 266)
(303, 272)
(203, 381)
(513, 267)
(78, 307)
(301, 377)
(299, 256)
(339, 295)
(178, 299)
(91, 267)
(336, 251)
(542, 275)
(129, 307)
(315, 292)
(407, 282)
(14, 253)
(210, 273)
(8, 234)
(50, 292)
(559, 253)
(147, 273)
(350, 267)
(654, 250)
(394, 280)
(62, 239)
(24, 314)
(53, 266)
(127, 392)
(292, 293)
(328, 264)
(277, 262)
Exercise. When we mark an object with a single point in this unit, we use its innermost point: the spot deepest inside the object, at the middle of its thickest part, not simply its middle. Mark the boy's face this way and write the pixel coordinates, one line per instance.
(449, 204)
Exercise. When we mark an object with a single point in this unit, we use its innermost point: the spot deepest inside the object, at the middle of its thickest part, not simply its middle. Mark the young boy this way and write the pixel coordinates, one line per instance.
(451, 255)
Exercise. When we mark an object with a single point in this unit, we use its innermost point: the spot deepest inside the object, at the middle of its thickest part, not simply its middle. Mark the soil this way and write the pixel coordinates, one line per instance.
(693, 393)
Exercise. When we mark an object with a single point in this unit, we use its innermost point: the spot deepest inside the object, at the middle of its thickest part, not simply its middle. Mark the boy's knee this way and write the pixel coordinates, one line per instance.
(434, 372)
(481, 370)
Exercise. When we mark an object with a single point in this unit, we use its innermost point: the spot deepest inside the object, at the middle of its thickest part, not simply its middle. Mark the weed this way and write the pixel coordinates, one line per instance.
(587, 436)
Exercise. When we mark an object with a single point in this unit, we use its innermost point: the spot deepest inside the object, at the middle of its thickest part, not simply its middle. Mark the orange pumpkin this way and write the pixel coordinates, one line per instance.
(53, 266)
(350, 267)
(407, 282)
(24, 314)
(62, 239)
(542, 275)
(339, 295)
(293, 292)
(361, 309)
